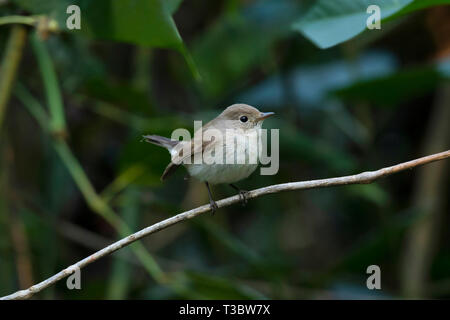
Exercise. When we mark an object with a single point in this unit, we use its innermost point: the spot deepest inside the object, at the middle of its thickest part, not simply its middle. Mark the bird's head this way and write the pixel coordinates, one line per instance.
(243, 116)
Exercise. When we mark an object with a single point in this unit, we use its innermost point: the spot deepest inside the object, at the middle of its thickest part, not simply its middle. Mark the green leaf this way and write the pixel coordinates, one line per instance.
(134, 21)
(328, 23)
(172, 5)
(146, 23)
(421, 4)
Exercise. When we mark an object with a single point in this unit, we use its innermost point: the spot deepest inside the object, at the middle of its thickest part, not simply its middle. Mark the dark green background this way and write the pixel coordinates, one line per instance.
(346, 101)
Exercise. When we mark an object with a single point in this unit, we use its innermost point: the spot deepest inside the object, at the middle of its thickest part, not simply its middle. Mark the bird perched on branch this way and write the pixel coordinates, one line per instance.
(225, 150)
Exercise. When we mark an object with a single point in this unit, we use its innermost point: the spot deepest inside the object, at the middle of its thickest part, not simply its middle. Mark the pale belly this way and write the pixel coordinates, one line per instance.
(225, 171)
(220, 173)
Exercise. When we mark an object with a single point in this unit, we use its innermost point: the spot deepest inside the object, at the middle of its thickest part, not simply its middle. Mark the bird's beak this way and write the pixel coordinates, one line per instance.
(264, 115)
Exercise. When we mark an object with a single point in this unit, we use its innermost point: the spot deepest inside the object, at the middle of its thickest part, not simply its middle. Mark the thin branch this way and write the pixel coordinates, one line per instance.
(362, 178)
(93, 199)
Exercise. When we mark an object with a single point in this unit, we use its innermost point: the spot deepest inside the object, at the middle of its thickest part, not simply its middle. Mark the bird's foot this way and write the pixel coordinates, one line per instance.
(213, 206)
(243, 196)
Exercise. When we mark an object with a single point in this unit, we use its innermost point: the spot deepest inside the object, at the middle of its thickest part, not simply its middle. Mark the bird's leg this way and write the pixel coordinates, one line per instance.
(242, 194)
(212, 203)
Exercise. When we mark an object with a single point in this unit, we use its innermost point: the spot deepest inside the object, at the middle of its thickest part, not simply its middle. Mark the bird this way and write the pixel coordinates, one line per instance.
(238, 126)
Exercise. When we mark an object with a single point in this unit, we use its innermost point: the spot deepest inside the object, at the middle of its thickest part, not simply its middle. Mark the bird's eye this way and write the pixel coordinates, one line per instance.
(243, 119)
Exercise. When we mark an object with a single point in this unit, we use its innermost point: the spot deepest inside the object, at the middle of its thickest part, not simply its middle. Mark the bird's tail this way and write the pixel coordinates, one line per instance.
(169, 145)
(161, 141)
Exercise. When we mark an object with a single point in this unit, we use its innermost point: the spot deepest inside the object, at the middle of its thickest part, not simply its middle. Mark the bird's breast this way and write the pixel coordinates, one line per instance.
(223, 163)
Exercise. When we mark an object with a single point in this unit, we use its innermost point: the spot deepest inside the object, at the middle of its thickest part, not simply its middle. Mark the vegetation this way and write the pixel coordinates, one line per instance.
(75, 176)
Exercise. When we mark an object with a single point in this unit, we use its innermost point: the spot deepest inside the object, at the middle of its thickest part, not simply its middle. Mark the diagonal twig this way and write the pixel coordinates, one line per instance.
(362, 178)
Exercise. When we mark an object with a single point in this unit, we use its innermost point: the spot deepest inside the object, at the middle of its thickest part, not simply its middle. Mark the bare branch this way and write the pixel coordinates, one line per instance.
(362, 178)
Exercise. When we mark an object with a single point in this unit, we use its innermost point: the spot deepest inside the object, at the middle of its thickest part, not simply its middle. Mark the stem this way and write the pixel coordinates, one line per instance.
(27, 20)
(9, 66)
(122, 181)
(34, 107)
(94, 201)
(42, 22)
(191, 63)
(53, 92)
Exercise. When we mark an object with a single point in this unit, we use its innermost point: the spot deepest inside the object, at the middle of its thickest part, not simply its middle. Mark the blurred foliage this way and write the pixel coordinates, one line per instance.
(74, 174)
(329, 23)
(394, 89)
(116, 20)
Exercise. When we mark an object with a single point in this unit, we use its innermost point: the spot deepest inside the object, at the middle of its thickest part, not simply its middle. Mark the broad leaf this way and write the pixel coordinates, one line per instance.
(147, 23)
(422, 4)
(135, 21)
(328, 23)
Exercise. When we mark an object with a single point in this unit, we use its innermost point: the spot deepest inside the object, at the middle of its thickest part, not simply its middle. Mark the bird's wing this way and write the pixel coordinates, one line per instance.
(195, 148)
(197, 145)
(172, 166)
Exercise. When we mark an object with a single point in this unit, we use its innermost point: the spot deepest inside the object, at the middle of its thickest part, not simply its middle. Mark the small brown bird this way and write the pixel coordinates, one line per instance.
(238, 124)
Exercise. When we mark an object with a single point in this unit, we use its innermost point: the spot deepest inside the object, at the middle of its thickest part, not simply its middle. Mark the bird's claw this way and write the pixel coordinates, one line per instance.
(213, 206)
(243, 196)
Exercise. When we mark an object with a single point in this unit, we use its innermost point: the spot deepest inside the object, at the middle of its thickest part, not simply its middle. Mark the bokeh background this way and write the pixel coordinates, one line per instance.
(75, 176)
